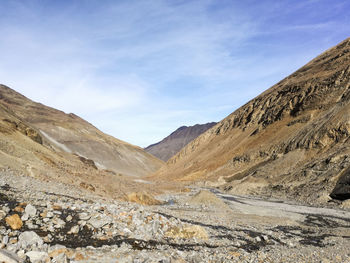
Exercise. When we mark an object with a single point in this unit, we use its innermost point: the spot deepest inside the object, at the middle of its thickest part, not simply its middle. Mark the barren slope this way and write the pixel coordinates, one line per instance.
(292, 140)
(69, 133)
(173, 143)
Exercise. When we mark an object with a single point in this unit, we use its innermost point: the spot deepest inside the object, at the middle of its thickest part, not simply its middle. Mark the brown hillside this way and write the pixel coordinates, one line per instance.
(293, 139)
(71, 134)
(173, 143)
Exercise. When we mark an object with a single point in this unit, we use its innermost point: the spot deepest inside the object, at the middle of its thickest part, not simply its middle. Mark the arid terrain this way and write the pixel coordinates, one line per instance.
(291, 142)
(69, 133)
(47, 144)
(59, 223)
(269, 183)
(172, 144)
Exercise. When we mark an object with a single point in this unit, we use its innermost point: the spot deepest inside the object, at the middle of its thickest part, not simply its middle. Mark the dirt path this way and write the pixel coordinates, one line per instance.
(262, 207)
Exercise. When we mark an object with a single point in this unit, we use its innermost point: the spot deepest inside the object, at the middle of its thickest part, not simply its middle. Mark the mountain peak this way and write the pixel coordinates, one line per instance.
(173, 143)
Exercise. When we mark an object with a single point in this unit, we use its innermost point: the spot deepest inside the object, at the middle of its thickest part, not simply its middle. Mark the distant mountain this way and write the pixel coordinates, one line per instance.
(67, 134)
(291, 141)
(172, 144)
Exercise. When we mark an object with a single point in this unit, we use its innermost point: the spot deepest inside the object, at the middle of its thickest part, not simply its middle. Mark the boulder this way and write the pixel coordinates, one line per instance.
(341, 190)
(207, 198)
(37, 256)
(187, 232)
(14, 221)
(143, 199)
(30, 210)
(2, 214)
(29, 238)
(99, 221)
(345, 204)
(57, 250)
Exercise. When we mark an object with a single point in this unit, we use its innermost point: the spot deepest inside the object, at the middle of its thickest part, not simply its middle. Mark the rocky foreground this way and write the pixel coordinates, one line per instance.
(46, 222)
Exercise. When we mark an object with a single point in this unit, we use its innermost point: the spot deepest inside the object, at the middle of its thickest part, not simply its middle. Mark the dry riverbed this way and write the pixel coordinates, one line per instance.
(45, 222)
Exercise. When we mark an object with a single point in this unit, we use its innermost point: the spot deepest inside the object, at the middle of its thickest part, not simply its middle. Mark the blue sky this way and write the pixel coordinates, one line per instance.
(140, 69)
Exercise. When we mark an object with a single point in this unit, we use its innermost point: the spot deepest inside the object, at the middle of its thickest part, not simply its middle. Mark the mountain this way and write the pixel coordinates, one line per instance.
(290, 141)
(172, 144)
(43, 142)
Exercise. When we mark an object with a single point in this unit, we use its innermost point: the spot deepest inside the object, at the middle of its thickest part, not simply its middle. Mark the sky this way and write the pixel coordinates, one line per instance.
(138, 70)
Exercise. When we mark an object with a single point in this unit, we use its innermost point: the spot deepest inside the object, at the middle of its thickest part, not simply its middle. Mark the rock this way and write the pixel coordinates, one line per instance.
(49, 215)
(345, 204)
(190, 231)
(34, 135)
(205, 197)
(127, 232)
(324, 198)
(266, 238)
(61, 258)
(13, 240)
(37, 256)
(6, 209)
(19, 209)
(43, 214)
(25, 217)
(74, 230)
(99, 221)
(59, 223)
(84, 216)
(341, 190)
(9, 257)
(143, 199)
(2, 214)
(14, 222)
(29, 238)
(5, 240)
(30, 210)
(12, 247)
(79, 256)
(21, 254)
(57, 207)
(56, 250)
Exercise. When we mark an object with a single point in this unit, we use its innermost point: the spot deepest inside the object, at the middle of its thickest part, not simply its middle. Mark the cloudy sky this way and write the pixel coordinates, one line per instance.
(140, 69)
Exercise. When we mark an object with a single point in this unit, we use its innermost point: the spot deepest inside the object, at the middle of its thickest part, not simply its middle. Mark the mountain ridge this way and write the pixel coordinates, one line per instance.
(69, 133)
(303, 116)
(179, 138)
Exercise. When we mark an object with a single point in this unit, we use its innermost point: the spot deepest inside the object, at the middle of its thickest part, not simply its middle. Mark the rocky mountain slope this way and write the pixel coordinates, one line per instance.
(173, 143)
(70, 134)
(49, 145)
(290, 141)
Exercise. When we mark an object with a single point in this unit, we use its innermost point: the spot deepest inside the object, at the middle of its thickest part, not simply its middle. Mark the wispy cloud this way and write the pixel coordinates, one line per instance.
(139, 69)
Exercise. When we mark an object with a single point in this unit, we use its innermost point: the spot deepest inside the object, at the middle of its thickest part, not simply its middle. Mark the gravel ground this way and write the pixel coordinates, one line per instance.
(46, 222)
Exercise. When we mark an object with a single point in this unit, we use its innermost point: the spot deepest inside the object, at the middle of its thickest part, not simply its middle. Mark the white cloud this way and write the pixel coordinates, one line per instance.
(148, 67)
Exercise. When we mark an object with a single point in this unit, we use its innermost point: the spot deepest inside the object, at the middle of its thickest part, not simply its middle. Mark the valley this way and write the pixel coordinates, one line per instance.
(268, 183)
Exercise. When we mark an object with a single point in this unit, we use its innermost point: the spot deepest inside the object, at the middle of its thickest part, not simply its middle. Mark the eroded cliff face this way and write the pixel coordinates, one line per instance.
(293, 139)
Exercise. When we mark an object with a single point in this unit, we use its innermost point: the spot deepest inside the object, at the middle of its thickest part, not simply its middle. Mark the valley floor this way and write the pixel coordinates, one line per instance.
(65, 224)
